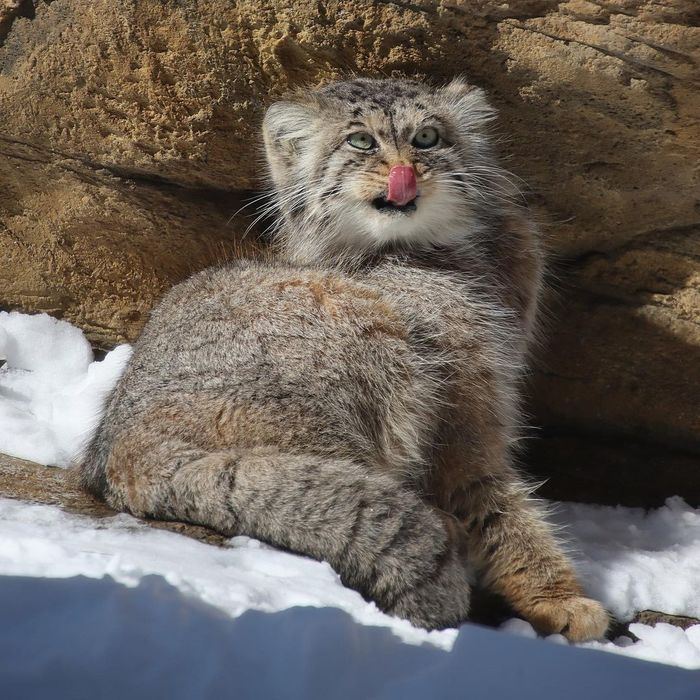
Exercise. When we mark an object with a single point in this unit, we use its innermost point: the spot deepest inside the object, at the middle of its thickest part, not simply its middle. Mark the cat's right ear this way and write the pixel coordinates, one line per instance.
(286, 126)
(469, 105)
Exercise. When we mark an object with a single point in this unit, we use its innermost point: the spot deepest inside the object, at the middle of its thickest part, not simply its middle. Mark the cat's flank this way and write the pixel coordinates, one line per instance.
(355, 397)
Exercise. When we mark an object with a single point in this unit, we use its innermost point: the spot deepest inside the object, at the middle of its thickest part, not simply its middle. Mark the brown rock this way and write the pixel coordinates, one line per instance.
(128, 127)
(96, 249)
(652, 617)
(35, 483)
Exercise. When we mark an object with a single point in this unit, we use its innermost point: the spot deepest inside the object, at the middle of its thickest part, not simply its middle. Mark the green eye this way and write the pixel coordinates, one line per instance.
(361, 140)
(426, 137)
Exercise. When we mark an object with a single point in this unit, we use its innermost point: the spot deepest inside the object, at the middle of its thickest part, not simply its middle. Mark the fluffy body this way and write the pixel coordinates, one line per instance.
(355, 397)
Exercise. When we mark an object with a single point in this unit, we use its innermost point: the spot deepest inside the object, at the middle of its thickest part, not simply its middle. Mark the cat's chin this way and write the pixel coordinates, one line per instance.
(423, 225)
(429, 219)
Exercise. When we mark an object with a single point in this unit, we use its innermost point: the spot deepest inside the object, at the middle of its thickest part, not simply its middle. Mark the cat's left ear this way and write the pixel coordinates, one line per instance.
(468, 104)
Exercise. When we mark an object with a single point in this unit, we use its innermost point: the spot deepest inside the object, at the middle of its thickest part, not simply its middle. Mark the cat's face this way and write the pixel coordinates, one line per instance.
(361, 164)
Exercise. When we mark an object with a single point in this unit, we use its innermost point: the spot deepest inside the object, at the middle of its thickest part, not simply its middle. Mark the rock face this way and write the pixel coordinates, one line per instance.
(98, 249)
(129, 131)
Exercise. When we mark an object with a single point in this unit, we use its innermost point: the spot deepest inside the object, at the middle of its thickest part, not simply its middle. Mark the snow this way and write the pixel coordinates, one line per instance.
(51, 395)
(631, 560)
(662, 642)
(51, 390)
(94, 638)
(637, 560)
(38, 540)
(43, 541)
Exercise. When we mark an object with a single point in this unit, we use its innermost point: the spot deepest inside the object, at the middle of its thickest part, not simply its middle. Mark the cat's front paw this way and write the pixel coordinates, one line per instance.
(579, 619)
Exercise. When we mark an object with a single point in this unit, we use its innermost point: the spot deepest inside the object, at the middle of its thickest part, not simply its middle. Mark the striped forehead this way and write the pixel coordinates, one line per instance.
(374, 94)
(377, 105)
(397, 122)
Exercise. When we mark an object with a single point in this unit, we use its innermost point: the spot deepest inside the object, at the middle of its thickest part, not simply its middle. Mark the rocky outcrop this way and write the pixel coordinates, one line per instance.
(98, 249)
(129, 130)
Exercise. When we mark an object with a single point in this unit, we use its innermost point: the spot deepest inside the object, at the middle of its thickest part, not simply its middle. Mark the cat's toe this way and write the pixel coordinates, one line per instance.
(579, 619)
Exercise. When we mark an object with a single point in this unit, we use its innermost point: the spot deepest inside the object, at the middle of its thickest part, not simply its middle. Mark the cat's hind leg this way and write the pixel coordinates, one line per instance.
(380, 537)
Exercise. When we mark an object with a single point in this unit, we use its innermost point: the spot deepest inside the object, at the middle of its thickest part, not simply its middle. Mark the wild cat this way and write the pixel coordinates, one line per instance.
(354, 398)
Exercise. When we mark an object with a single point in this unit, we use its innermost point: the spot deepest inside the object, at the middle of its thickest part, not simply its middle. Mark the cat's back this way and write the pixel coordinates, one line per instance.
(267, 310)
(302, 338)
(254, 322)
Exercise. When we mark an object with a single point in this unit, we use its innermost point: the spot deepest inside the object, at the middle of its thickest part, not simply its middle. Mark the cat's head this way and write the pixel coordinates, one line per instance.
(363, 164)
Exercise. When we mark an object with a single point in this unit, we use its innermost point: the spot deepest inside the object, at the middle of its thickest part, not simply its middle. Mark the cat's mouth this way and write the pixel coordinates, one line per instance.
(384, 205)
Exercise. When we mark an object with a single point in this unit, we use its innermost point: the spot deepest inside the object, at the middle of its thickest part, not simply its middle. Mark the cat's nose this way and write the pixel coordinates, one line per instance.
(402, 185)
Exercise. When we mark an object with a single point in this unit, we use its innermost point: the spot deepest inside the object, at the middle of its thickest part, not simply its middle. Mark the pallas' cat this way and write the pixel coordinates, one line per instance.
(355, 396)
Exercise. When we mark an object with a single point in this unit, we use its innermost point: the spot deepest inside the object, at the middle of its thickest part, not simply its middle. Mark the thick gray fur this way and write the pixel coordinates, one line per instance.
(355, 396)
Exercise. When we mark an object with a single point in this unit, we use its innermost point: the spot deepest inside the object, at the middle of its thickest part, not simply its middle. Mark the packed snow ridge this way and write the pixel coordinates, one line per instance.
(51, 397)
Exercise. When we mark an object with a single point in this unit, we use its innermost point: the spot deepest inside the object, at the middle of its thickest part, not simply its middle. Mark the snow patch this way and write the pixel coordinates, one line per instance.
(662, 643)
(635, 559)
(51, 391)
(43, 541)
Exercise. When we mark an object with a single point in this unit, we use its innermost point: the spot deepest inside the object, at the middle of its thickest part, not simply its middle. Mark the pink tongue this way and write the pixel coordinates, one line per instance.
(402, 185)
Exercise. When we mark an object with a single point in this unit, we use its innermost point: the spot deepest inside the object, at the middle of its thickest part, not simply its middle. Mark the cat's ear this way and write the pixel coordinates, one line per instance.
(468, 104)
(286, 124)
